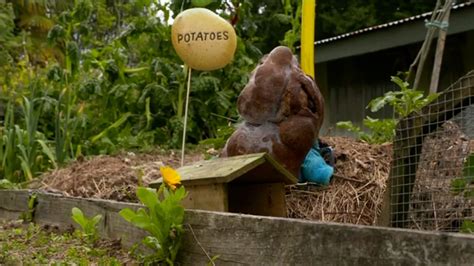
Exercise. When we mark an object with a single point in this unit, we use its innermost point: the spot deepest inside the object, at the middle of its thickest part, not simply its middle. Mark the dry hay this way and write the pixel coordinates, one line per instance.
(433, 205)
(109, 177)
(356, 190)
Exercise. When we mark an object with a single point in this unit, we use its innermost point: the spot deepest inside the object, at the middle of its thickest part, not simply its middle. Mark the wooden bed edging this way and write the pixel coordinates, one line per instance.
(258, 240)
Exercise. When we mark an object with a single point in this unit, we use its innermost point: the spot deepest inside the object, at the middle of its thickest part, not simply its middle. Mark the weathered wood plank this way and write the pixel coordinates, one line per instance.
(265, 199)
(212, 197)
(13, 204)
(225, 170)
(221, 170)
(256, 240)
(56, 209)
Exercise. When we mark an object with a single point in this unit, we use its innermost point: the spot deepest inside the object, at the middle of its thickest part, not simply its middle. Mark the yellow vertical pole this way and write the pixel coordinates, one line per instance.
(307, 36)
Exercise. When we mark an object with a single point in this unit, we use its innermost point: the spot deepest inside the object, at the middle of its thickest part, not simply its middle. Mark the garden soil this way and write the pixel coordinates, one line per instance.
(354, 194)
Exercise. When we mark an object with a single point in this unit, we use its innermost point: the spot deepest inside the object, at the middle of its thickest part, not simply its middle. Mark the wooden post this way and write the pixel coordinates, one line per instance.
(440, 47)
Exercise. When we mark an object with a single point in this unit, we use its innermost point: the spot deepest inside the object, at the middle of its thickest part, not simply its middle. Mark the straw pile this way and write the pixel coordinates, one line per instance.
(356, 190)
(110, 177)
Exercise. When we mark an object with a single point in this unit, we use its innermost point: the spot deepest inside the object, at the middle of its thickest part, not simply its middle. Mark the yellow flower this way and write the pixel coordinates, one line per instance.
(170, 176)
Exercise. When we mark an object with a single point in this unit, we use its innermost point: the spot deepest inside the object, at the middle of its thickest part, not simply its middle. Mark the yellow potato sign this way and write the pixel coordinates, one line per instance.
(203, 40)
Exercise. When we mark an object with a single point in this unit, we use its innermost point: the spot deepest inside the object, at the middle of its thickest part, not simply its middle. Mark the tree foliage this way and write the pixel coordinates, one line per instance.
(89, 77)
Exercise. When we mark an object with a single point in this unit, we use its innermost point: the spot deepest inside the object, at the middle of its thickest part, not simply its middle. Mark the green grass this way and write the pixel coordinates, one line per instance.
(30, 244)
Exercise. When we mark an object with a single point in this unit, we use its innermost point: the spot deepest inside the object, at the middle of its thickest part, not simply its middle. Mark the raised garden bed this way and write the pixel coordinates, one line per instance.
(257, 240)
(354, 195)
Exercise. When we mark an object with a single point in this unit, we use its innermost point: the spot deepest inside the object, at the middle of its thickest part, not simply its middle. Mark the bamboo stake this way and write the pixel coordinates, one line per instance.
(188, 89)
(440, 47)
(428, 38)
(426, 47)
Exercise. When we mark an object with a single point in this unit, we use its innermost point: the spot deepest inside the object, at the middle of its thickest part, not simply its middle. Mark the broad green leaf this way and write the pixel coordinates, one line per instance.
(7, 184)
(377, 104)
(467, 226)
(78, 217)
(116, 124)
(180, 193)
(282, 18)
(176, 213)
(141, 221)
(48, 152)
(147, 196)
(127, 214)
(26, 169)
(96, 219)
(402, 84)
(152, 242)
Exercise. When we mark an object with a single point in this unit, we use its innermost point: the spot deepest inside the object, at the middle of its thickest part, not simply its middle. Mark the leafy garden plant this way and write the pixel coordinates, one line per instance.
(162, 218)
(464, 187)
(88, 225)
(404, 102)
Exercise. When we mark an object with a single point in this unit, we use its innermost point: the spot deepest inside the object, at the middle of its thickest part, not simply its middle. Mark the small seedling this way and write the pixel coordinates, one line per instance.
(88, 225)
(28, 215)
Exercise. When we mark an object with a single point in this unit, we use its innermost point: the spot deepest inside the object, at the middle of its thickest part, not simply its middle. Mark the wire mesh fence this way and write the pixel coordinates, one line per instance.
(432, 181)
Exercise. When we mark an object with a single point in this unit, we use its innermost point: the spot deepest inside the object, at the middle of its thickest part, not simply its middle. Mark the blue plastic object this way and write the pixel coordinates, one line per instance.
(314, 168)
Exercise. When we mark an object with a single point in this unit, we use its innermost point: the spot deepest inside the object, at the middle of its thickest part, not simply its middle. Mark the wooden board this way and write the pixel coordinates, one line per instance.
(13, 205)
(56, 209)
(212, 197)
(257, 240)
(225, 170)
(259, 199)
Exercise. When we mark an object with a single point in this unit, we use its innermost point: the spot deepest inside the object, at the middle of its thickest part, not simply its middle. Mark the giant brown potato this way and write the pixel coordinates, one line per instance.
(282, 109)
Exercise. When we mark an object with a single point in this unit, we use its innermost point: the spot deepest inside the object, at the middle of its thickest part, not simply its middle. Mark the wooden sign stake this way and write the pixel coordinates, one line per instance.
(188, 89)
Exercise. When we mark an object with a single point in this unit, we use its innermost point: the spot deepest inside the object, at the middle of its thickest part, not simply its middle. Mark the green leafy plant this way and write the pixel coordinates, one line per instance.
(222, 134)
(381, 130)
(292, 16)
(465, 185)
(404, 102)
(31, 244)
(88, 225)
(6, 184)
(28, 215)
(116, 59)
(467, 227)
(162, 218)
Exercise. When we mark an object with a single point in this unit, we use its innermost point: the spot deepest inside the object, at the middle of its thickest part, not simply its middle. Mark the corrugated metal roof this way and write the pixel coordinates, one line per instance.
(387, 25)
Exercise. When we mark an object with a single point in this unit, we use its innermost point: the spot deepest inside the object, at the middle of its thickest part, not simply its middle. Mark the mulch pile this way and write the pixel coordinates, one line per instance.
(353, 196)
(356, 190)
(434, 204)
(110, 177)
